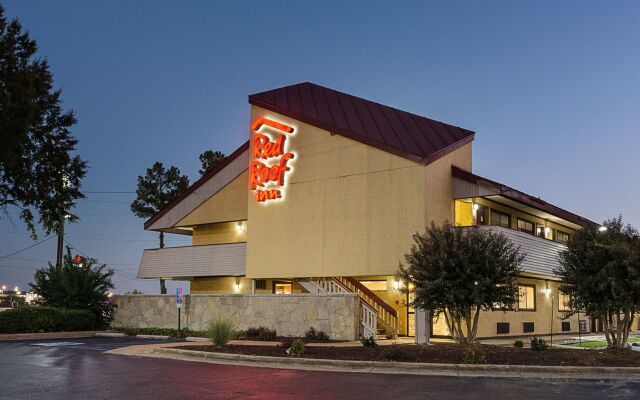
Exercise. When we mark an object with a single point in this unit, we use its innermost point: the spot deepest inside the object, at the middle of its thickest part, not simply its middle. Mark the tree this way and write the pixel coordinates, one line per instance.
(155, 190)
(209, 160)
(460, 272)
(600, 272)
(81, 286)
(37, 169)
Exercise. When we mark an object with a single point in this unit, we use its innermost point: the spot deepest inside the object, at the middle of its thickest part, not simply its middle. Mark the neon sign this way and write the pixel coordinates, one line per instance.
(268, 180)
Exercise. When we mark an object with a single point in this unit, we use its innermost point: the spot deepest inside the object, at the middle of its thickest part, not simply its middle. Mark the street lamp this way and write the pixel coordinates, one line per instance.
(3, 289)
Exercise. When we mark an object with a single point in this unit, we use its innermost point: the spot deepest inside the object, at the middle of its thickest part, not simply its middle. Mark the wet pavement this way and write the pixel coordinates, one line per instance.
(79, 369)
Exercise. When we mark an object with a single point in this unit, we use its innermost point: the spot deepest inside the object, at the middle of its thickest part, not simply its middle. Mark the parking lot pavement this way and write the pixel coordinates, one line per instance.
(80, 369)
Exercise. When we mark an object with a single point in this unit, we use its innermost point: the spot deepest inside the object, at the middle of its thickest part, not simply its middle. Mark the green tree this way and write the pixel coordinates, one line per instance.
(459, 272)
(38, 171)
(81, 286)
(157, 188)
(600, 272)
(209, 160)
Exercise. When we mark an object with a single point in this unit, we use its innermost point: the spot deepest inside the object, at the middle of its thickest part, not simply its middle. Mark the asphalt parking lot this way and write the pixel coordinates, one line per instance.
(79, 369)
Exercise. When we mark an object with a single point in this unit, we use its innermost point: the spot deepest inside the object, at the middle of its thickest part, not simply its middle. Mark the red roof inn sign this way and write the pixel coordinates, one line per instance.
(267, 171)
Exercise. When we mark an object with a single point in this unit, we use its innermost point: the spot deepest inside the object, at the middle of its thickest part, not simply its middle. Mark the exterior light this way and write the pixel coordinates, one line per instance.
(475, 207)
(396, 284)
(475, 283)
(110, 295)
(239, 227)
(236, 286)
(602, 229)
(16, 289)
(547, 290)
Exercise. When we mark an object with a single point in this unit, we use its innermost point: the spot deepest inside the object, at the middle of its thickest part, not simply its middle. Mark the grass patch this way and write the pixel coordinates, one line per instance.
(594, 344)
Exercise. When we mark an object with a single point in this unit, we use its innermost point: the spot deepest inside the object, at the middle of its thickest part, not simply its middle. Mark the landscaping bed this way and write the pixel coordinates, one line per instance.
(445, 353)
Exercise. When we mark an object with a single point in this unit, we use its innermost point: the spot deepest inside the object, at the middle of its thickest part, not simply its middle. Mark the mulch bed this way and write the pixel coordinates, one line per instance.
(447, 353)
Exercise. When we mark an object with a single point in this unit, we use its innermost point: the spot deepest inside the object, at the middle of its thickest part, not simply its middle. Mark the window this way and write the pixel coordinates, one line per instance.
(502, 328)
(566, 326)
(281, 287)
(261, 284)
(375, 285)
(562, 237)
(527, 301)
(500, 219)
(481, 214)
(528, 327)
(564, 301)
(525, 226)
(582, 325)
(544, 232)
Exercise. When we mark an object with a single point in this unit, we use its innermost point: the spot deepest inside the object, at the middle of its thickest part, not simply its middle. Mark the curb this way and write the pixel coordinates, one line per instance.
(110, 334)
(156, 337)
(497, 371)
(196, 339)
(48, 335)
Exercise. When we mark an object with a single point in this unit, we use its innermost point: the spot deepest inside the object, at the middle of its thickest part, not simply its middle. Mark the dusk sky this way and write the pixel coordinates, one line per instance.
(552, 90)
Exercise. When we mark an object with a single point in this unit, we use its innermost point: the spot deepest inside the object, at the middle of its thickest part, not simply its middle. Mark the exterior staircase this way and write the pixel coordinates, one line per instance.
(377, 317)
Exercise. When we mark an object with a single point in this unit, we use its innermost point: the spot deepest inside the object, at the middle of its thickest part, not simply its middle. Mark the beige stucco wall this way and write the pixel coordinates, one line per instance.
(229, 204)
(349, 209)
(439, 185)
(541, 317)
(290, 315)
(226, 232)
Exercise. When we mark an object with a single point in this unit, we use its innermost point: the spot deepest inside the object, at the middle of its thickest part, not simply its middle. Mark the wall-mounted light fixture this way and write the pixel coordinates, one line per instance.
(236, 285)
(240, 227)
(547, 289)
(396, 284)
(602, 228)
(475, 206)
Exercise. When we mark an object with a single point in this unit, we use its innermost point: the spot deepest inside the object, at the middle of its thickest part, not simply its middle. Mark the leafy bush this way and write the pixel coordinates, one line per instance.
(78, 286)
(518, 344)
(473, 355)
(316, 335)
(46, 319)
(538, 344)
(220, 331)
(297, 348)
(395, 353)
(368, 341)
(261, 333)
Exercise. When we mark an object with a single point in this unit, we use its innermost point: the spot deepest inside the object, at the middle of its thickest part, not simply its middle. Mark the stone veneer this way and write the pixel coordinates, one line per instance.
(290, 315)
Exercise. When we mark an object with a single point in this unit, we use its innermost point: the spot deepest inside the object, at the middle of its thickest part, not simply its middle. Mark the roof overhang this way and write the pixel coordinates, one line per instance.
(467, 185)
(210, 184)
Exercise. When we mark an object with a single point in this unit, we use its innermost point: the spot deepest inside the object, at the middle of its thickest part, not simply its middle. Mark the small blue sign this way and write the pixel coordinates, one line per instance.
(179, 297)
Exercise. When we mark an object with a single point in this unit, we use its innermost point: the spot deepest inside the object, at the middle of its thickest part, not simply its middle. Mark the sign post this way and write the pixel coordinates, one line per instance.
(179, 298)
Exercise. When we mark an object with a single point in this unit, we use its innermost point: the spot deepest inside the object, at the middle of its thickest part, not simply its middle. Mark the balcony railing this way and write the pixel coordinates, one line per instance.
(191, 261)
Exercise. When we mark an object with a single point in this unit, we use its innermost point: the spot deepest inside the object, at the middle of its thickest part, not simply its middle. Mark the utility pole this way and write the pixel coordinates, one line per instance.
(60, 244)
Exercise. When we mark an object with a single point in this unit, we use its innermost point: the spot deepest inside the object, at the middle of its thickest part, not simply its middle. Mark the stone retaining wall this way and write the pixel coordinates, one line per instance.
(290, 315)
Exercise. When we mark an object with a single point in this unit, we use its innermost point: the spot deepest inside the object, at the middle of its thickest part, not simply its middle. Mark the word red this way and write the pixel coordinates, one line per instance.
(264, 148)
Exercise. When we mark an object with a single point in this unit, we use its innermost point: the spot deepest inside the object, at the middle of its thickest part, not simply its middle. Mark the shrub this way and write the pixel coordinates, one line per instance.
(220, 331)
(297, 348)
(316, 335)
(46, 319)
(76, 286)
(368, 341)
(473, 355)
(518, 344)
(395, 353)
(538, 344)
(261, 333)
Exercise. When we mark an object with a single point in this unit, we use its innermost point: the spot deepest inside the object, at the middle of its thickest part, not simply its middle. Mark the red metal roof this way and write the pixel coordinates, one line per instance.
(399, 132)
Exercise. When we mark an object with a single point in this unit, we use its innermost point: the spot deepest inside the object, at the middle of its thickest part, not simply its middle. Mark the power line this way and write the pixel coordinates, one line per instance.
(107, 192)
(26, 248)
